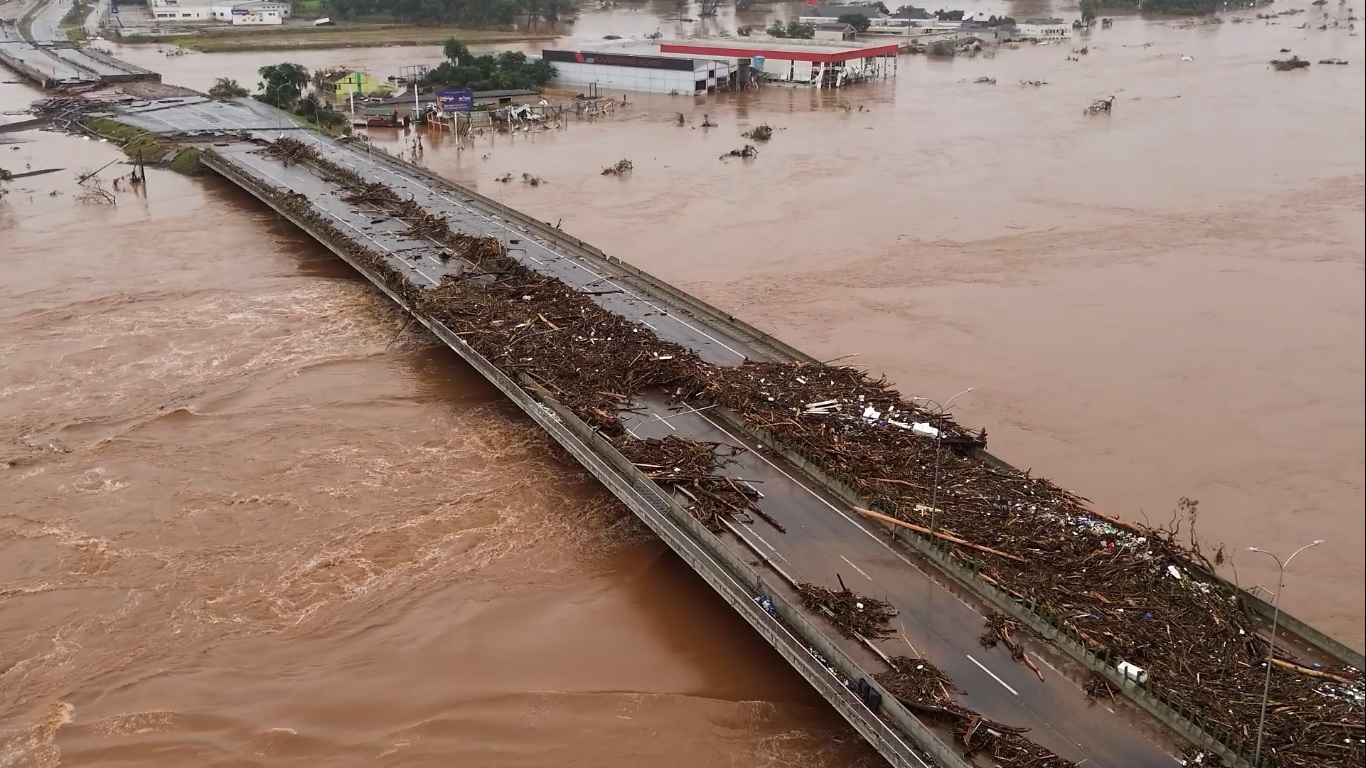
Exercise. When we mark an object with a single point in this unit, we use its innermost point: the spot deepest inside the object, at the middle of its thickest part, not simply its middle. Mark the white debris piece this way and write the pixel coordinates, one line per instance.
(872, 414)
(923, 428)
(1175, 573)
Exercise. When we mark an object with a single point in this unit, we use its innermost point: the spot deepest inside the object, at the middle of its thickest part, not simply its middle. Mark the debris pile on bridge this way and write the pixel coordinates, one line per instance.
(854, 615)
(593, 362)
(383, 198)
(929, 693)
(999, 629)
(691, 468)
(1139, 594)
(590, 360)
(1133, 593)
(291, 150)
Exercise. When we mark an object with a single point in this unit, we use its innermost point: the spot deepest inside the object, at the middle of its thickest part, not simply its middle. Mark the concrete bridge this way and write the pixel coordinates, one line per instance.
(941, 604)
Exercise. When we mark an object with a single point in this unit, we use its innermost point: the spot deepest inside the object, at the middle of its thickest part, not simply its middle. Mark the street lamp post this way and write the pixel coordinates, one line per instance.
(279, 114)
(1271, 650)
(939, 411)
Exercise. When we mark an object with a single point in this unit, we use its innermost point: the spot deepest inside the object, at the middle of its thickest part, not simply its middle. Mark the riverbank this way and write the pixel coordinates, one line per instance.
(225, 40)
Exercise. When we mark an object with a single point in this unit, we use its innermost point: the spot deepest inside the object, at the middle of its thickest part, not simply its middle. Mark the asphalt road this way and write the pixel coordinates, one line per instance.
(823, 537)
(46, 25)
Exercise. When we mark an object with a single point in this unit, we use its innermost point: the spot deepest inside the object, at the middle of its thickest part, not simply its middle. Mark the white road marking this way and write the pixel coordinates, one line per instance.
(817, 496)
(346, 223)
(855, 567)
(770, 546)
(993, 674)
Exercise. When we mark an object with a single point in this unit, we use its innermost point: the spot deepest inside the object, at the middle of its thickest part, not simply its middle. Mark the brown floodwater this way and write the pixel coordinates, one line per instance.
(246, 521)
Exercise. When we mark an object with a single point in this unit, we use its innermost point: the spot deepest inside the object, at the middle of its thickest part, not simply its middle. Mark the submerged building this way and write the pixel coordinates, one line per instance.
(703, 66)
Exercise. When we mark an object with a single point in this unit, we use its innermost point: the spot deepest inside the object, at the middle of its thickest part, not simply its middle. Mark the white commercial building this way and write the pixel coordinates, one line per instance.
(647, 70)
(1042, 29)
(235, 13)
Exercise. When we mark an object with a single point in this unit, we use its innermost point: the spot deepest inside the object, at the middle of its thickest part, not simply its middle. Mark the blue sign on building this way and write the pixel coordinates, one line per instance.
(455, 100)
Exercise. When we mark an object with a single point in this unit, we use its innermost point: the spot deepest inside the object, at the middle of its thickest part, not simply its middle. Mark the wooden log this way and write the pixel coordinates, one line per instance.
(937, 534)
(1297, 669)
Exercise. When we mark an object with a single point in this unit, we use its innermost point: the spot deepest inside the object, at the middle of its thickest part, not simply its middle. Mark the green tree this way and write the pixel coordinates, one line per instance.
(793, 29)
(455, 51)
(858, 21)
(506, 70)
(1088, 12)
(227, 88)
(281, 84)
(315, 108)
(944, 15)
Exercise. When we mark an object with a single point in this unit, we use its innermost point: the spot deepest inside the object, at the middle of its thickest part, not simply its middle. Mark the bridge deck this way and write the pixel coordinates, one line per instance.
(823, 536)
(41, 65)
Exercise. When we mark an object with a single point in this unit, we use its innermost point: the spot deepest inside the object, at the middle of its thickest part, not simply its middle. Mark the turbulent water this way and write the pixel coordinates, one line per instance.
(246, 518)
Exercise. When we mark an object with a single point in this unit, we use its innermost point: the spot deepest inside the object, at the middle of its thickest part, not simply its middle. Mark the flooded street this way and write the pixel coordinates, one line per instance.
(248, 519)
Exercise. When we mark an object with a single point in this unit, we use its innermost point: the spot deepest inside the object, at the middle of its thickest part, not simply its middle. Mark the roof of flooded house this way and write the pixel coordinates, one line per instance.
(911, 12)
(834, 27)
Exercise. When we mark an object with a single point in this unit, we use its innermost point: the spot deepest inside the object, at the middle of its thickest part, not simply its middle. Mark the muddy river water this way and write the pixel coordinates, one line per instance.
(246, 521)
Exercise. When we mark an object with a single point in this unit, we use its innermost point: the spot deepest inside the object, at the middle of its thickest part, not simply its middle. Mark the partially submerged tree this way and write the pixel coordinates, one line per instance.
(227, 88)
(856, 20)
(792, 29)
(281, 84)
(501, 71)
(1088, 11)
(317, 109)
